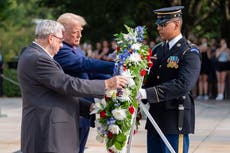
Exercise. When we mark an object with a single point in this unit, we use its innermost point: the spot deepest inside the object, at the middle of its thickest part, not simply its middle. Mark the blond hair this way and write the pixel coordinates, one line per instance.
(67, 18)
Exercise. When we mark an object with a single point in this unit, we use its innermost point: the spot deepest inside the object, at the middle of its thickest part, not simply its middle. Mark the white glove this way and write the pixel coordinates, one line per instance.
(141, 94)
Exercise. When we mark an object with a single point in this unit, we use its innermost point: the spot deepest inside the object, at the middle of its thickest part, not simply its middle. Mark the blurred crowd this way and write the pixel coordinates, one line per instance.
(215, 59)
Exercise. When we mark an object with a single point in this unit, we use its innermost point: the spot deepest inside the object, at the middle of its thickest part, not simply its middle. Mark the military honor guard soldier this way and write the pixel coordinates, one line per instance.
(175, 72)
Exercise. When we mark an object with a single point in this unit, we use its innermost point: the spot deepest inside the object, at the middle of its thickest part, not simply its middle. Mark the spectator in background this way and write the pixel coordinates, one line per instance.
(112, 55)
(212, 68)
(223, 57)
(106, 50)
(203, 78)
(152, 44)
(145, 42)
(97, 50)
(89, 51)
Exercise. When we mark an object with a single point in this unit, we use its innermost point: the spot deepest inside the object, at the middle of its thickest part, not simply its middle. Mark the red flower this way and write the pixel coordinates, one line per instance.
(118, 48)
(148, 58)
(150, 65)
(143, 72)
(110, 135)
(103, 114)
(139, 117)
(150, 52)
(124, 68)
(111, 151)
(131, 109)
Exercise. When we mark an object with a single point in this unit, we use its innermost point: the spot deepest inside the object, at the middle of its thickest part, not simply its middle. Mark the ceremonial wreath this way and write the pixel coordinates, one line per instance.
(119, 108)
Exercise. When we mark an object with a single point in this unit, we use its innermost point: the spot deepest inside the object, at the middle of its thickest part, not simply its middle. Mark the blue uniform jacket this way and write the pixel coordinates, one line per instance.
(75, 63)
(172, 77)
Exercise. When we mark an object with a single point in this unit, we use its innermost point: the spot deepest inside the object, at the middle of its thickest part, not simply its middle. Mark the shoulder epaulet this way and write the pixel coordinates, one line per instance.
(192, 48)
(157, 45)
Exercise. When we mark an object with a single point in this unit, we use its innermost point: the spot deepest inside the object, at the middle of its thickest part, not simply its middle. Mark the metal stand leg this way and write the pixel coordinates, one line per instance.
(157, 128)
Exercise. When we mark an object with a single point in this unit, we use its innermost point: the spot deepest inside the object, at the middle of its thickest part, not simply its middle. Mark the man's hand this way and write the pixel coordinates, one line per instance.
(116, 82)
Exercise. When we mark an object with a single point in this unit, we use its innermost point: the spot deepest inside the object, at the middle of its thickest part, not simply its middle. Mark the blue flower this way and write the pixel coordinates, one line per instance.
(140, 33)
(111, 121)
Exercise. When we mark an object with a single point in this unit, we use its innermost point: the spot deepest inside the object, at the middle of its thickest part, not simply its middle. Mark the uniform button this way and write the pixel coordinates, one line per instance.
(158, 77)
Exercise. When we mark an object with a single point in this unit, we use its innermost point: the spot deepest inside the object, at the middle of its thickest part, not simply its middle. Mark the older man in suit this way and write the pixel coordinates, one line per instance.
(50, 117)
(75, 63)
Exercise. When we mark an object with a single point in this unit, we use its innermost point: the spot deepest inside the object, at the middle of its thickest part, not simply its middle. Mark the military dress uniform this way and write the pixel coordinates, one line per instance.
(175, 72)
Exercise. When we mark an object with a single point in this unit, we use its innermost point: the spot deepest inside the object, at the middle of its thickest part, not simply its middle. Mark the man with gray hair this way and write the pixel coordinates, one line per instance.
(75, 63)
(51, 103)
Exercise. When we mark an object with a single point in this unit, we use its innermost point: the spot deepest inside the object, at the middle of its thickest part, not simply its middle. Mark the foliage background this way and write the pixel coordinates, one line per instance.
(209, 18)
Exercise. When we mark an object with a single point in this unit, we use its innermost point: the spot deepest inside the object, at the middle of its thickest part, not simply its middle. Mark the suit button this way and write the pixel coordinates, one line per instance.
(158, 77)
(160, 66)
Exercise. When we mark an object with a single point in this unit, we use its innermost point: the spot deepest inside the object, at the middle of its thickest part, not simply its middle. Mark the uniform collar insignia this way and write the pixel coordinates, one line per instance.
(178, 44)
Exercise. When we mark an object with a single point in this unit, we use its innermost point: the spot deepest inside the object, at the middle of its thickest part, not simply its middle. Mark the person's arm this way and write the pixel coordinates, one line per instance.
(51, 76)
(189, 71)
(78, 63)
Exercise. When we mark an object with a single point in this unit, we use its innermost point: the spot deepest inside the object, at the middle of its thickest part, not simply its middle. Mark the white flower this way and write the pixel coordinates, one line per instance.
(100, 138)
(135, 57)
(110, 93)
(130, 37)
(97, 123)
(136, 46)
(127, 73)
(125, 95)
(131, 82)
(119, 114)
(114, 129)
(97, 108)
(103, 102)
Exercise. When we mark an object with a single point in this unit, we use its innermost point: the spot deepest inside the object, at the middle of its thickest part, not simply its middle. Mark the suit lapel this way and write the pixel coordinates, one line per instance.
(38, 48)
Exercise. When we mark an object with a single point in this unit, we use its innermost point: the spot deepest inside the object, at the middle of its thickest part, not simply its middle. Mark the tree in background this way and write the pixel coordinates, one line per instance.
(105, 17)
(17, 26)
(208, 18)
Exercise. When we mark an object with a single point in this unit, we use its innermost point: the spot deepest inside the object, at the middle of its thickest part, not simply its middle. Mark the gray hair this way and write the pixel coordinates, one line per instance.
(46, 27)
(66, 18)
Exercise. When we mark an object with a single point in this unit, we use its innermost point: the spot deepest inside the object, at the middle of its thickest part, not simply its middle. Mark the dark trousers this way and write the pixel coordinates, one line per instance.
(156, 145)
(83, 133)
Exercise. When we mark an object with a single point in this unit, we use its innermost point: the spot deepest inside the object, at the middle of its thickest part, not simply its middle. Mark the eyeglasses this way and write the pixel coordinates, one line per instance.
(60, 38)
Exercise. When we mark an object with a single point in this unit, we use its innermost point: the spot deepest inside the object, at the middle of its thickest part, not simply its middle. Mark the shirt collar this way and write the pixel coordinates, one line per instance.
(75, 48)
(174, 40)
(43, 49)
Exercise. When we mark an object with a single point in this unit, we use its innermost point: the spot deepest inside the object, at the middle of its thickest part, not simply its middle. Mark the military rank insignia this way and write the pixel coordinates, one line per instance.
(173, 62)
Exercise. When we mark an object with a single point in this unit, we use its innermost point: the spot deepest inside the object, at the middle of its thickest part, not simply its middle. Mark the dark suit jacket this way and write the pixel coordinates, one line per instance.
(173, 75)
(50, 116)
(75, 63)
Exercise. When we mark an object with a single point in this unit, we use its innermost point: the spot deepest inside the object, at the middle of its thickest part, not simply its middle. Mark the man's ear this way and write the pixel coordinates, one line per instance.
(50, 38)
